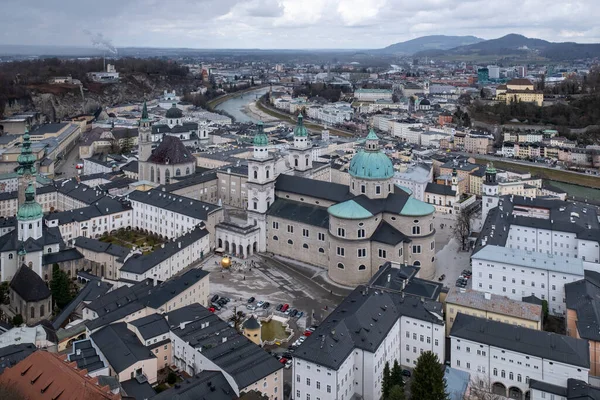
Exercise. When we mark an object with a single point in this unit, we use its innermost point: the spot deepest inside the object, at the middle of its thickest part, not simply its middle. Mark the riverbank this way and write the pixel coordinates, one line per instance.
(252, 110)
(221, 99)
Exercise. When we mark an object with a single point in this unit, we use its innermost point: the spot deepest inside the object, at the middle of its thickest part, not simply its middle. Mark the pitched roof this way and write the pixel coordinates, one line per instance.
(175, 203)
(151, 326)
(14, 353)
(583, 296)
(29, 286)
(386, 233)
(552, 346)
(45, 375)
(349, 210)
(120, 346)
(300, 212)
(207, 385)
(362, 321)
(334, 192)
(171, 151)
(437, 188)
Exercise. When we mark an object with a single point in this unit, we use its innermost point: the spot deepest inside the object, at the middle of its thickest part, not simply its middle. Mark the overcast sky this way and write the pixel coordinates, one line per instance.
(289, 23)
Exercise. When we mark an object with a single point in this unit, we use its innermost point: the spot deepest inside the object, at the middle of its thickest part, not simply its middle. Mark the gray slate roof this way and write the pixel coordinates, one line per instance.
(312, 188)
(300, 212)
(387, 234)
(552, 346)
(120, 346)
(172, 202)
(151, 326)
(171, 151)
(13, 354)
(207, 385)
(29, 285)
(583, 296)
(362, 321)
(87, 358)
(232, 352)
(439, 189)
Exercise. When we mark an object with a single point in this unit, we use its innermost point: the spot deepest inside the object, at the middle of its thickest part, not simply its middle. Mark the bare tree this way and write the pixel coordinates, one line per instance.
(481, 389)
(463, 225)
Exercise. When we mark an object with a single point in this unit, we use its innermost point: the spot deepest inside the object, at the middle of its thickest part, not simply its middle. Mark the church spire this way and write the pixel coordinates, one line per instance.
(145, 112)
(300, 129)
(26, 159)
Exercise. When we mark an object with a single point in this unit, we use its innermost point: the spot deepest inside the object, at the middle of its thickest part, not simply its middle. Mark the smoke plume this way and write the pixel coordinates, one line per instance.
(100, 42)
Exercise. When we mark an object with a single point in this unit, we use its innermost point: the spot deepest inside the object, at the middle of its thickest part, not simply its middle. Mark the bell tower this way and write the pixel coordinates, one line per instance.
(490, 191)
(26, 170)
(144, 143)
(301, 152)
(261, 184)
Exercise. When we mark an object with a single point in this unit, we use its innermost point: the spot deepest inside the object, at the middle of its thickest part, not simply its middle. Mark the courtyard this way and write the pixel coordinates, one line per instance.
(131, 238)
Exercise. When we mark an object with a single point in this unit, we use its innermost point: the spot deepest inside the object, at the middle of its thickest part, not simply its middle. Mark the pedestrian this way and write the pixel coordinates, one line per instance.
(244, 277)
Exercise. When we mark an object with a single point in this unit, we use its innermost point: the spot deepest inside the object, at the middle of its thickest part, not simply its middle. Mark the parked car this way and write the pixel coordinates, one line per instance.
(214, 298)
(216, 306)
(301, 339)
(285, 307)
(406, 373)
(266, 305)
(300, 314)
(294, 313)
(226, 299)
(283, 360)
(288, 364)
(211, 309)
(251, 307)
(260, 304)
(287, 355)
(279, 307)
(221, 302)
(251, 300)
(442, 277)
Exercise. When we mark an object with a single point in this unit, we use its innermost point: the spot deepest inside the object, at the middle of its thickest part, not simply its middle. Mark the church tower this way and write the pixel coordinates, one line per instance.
(454, 180)
(261, 184)
(26, 170)
(301, 152)
(490, 191)
(145, 136)
(29, 216)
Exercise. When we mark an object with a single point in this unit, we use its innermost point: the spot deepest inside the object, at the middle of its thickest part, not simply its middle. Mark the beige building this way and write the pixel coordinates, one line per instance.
(479, 144)
(491, 306)
(519, 90)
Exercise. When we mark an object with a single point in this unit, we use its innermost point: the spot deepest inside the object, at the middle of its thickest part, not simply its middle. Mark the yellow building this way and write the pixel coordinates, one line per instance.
(490, 306)
(251, 329)
(519, 90)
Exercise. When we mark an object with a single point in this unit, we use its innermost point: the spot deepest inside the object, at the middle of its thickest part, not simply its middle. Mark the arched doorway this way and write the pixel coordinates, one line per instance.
(233, 249)
(255, 247)
(220, 243)
(499, 388)
(248, 248)
(226, 246)
(515, 393)
(528, 395)
(241, 250)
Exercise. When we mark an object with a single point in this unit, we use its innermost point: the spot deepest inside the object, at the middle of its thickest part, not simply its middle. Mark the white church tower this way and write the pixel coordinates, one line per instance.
(261, 184)
(489, 189)
(144, 144)
(301, 152)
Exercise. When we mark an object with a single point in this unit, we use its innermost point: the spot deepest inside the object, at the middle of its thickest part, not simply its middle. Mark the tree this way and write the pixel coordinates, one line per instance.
(396, 376)
(4, 292)
(17, 320)
(481, 390)
(462, 227)
(171, 378)
(428, 379)
(386, 381)
(60, 287)
(396, 393)
(545, 309)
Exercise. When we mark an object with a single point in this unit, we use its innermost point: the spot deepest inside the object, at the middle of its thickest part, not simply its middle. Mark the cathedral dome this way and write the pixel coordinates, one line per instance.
(371, 163)
(30, 210)
(174, 112)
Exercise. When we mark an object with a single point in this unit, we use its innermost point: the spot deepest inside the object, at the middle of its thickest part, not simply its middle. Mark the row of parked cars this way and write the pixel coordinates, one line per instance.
(463, 279)
(217, 302)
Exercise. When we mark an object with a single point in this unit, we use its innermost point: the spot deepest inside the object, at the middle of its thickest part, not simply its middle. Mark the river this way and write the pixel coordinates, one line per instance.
(582, 193)
(236, 105)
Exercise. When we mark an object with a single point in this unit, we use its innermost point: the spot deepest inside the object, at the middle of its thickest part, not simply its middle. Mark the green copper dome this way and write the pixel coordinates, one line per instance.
(300, 129)
(26, 159)
(30, 209)
(371, 163)
(490, 169)
(174, 112)
(260, 139)
(349, 210)
(145, 112)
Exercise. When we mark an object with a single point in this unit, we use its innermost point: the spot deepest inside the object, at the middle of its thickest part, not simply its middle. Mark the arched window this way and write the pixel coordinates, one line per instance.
(187, 171)
(290, 241)
(267, 174)
(417, 263)
(340, 266)
(511, 376)
(321, 250)
(519, 379)
(275, 237)
(495, 371)
(49, 249)
(151, 174)
(167, 176)
(10, 256)
(42, 310)
(177, 172)
(255, 174)
(295, 162)
(416, 230)
(305, 246)
(30, 226)
(503, 374)
(307, 161)
(32, 312)
(361, 267)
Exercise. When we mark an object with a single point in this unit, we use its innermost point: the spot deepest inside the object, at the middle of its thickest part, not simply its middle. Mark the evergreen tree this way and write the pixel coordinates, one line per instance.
(17, 320)
(386, 381)
(428, 379)
(396, 376)
(396, 393)
(60, 287)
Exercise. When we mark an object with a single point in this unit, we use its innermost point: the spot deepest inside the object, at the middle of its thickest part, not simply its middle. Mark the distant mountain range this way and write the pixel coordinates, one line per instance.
(429, 43)
(519, 46)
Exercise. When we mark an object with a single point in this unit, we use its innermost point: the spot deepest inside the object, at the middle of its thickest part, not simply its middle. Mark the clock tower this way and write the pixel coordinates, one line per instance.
(26, 170)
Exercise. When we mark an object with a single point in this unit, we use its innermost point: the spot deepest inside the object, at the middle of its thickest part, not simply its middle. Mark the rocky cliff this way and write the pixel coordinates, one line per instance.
(61, 101)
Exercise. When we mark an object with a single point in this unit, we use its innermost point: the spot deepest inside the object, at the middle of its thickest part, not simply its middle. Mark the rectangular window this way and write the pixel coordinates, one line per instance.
(305, 232)
(341, 232)
(382, 253)
(321, 237)
(362, 253)
(275, 225)
(290, 228)
(416, 249)
(340, 251)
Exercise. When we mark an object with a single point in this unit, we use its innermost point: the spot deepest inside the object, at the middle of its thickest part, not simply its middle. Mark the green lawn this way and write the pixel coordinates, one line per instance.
(129, 239)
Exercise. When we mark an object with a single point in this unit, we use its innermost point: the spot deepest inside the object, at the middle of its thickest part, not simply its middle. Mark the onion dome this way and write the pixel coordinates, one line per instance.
(260, 139)
(300, 129)
(30, 210)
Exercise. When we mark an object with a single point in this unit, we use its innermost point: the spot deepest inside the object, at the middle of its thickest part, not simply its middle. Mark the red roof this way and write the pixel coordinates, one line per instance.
(45, 375)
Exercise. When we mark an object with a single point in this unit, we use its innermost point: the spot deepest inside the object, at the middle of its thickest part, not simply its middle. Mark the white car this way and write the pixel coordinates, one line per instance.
(288, 364)
(251, 307)
(260, 304)
(301, 339)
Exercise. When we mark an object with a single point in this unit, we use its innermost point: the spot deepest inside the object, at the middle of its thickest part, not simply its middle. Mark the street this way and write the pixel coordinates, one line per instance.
(66, 167)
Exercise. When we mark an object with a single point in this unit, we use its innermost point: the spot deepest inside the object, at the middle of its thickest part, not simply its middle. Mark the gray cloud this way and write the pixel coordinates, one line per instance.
(288, 23)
